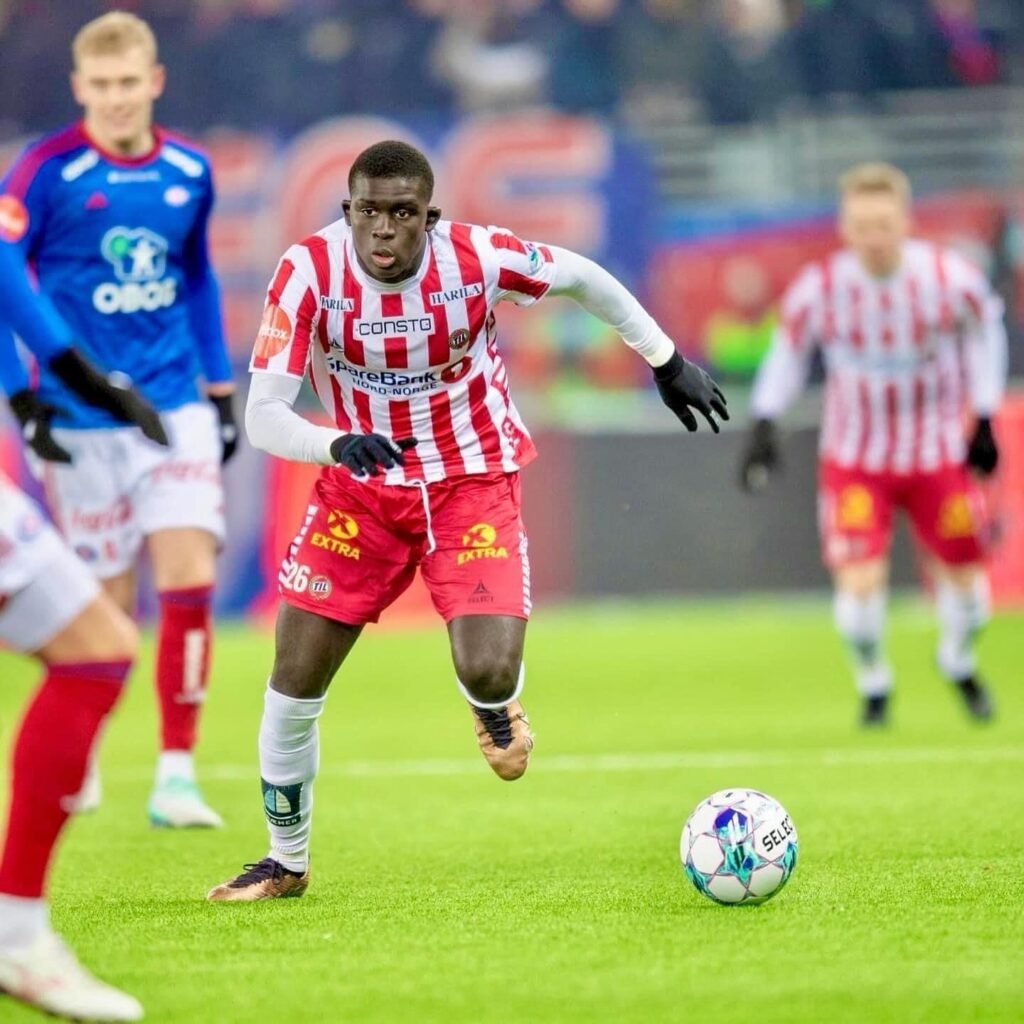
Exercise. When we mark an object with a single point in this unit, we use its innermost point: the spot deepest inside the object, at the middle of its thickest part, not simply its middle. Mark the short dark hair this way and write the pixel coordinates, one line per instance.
(392, 159)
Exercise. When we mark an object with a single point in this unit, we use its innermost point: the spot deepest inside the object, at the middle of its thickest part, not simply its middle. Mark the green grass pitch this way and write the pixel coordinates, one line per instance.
(441, 894)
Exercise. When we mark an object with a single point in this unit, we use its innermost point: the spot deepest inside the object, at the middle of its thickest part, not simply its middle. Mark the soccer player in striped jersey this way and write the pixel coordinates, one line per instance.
(914, 348)
(390, 314)
(52, 608)
(111, 215)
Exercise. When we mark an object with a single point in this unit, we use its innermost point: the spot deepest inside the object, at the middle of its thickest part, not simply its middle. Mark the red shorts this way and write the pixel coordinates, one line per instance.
(360, 544)
(855, 513)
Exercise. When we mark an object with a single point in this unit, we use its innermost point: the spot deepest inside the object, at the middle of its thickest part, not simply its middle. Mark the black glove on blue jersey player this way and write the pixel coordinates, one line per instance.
(228, 426)
(114, 394)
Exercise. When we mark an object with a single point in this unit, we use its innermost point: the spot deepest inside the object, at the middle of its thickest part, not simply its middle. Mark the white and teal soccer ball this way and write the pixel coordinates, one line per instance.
(738, 847)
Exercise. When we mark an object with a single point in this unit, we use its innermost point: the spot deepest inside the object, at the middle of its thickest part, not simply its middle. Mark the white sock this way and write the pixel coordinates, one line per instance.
(860, 621)
(961, 614)
(22, 921)
(500, 704)
(175, 764)
(289, 758)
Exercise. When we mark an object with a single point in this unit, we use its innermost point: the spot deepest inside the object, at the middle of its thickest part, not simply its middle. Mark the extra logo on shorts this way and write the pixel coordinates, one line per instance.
(341, 528)
(956, 518)
(479, 541)
(342, 525)
(855, 509)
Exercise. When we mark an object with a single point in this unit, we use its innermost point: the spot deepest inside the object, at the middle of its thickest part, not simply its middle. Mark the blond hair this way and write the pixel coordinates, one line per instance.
(113, 33)
(875, 179)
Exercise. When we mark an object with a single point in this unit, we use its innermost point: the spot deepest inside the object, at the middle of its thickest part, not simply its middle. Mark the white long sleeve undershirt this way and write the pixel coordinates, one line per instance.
(273, 425)
(780, 378)
(986, 357)
(609, 300)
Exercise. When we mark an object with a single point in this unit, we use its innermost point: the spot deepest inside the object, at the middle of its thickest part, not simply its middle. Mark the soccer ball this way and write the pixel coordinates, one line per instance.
(738, 846)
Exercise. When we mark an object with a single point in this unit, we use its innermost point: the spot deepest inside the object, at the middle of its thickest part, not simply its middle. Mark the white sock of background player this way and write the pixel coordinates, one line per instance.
(961, 612)
(860, 621)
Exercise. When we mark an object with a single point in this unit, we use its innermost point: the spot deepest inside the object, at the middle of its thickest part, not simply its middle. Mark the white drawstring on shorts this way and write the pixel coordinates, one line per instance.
(421, 486)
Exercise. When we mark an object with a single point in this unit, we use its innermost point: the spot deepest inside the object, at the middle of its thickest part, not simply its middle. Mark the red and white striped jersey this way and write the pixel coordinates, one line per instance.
(416, 359)
(904, 356)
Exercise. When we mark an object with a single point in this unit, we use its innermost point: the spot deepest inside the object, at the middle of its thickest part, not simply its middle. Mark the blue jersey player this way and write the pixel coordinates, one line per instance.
(110, 218)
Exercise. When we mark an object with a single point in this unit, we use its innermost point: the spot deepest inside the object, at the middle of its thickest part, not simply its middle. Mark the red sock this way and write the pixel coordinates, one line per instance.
(182, 663)
(48, 764)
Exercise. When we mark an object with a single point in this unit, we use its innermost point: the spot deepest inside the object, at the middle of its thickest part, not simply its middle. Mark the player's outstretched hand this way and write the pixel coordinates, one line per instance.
(684, 386)
(982, 450)
(369, 453)
(34, 417)
(228, 426)
(760, 456)
(113, 394)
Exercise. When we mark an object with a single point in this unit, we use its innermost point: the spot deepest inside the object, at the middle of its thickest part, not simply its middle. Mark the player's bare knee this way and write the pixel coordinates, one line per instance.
(299, 677)
(490, 677)
(309, 650)
(303, 671)
(862, 579)
(114, 634)
(125, 634)
(100, 632)
(963, 577)
(183, 558)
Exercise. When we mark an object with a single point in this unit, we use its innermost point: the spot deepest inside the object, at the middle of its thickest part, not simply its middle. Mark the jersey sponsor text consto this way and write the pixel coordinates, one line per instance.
(416, 359)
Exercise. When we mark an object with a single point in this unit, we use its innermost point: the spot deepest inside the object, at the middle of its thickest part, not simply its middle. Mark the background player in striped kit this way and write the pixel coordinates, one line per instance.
(112, 213)
(912, 337)
(390, 313)
(52, 608)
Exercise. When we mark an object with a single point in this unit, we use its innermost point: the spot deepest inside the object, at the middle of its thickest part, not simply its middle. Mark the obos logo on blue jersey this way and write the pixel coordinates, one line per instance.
(139, 259)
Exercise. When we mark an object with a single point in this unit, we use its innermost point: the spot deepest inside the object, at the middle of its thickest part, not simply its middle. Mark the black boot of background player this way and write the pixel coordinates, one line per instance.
(875, 711)
(976, 699)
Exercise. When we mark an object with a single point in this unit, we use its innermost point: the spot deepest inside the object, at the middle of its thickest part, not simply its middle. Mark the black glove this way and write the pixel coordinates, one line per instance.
(228, 426)
(760, 457)
(113, 394)
(34, 417)
(682, 384)
(369, 453)
(982, 450)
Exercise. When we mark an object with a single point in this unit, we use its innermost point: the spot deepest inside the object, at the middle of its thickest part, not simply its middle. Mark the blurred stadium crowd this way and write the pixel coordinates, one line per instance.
(284, 64)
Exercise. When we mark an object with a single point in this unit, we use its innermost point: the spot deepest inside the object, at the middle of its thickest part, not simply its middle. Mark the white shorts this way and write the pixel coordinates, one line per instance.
(43, 586)
(121, 487)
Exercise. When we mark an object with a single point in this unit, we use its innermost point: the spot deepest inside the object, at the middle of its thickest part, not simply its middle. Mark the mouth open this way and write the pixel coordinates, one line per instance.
(383, 258)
